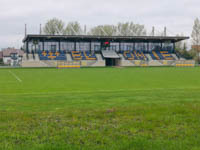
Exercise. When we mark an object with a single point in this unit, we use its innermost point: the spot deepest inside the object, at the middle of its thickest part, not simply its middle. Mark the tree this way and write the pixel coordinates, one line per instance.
(73, 28)
(196, 32)
(54, 27)
(179, 45)
(196, 38)
(182, 49)
(131, 29)
(104, 30)
(122, 29)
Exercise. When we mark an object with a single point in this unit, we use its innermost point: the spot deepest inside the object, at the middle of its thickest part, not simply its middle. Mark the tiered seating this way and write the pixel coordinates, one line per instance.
(134, 55)
(128, 55)
(167, 55)
(86, 55)
(155, 55)
(49, 55)
(161, 55)
(76, 55)
(139, 55)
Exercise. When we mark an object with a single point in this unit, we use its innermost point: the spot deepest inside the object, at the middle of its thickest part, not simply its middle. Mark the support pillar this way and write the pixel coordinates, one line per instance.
(59, 46)
(75, 46)
(90, 46)
(43, 45)
(134, 46)
(27, 47)
(148, 49)
(174, 47)
(120, 46)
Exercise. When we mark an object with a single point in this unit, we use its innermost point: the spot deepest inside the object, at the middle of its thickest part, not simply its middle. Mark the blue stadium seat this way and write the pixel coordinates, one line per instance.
(51, 55)
(134, 55)
(83, 55)
(162, 55)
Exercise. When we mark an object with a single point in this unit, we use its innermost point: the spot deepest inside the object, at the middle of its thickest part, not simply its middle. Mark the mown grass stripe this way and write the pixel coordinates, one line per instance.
(99, 91)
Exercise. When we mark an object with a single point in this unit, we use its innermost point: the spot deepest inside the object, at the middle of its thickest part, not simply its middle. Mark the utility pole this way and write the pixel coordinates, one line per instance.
(25, 30)
(40, 29)
(165, 31)
(85, 30)
(72, 28)
(153, 31)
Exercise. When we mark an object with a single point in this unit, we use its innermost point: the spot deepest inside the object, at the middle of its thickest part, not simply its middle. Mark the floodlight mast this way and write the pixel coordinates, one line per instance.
(73, 30)
(103, 31)
(153, 31)
(40, 29)
(25, 30)
(165, 31)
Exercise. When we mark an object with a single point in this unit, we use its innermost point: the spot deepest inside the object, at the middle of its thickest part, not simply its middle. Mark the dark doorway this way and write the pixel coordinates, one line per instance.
(112, 62)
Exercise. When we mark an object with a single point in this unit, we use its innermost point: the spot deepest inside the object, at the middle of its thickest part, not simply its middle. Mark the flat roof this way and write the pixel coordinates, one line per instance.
(30, 37)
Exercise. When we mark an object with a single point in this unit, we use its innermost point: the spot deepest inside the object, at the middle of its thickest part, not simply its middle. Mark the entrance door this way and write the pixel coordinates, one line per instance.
(108, 62)
(111, 62)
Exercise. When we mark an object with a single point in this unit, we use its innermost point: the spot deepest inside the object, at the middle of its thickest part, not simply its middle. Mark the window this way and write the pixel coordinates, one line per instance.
(127, 46)
(83, 46)
(67, 46)
(51, 46)
(96, 46)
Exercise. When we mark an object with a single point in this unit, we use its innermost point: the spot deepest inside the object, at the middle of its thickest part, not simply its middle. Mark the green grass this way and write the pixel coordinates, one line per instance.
(100, 108)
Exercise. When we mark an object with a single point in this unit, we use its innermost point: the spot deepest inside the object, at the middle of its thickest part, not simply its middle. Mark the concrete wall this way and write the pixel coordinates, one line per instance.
(34, 64)
(101, 63)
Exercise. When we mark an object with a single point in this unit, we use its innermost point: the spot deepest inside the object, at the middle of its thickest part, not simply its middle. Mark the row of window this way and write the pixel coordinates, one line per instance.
(96, 46)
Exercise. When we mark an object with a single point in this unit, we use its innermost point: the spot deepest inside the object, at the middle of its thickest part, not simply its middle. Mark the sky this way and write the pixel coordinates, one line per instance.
(177, 15)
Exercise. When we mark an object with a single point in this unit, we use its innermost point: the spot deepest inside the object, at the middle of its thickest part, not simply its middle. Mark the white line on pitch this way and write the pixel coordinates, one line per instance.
(16, 77)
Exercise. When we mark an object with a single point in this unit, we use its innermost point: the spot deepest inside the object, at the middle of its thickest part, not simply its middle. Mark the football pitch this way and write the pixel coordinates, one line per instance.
(100, 109)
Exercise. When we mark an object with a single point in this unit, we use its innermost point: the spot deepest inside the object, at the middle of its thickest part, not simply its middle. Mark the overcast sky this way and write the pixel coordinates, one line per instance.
(177, 15)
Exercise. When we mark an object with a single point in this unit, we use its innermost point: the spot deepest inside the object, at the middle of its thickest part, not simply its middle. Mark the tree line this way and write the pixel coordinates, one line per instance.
(58, 27)
(192, 52)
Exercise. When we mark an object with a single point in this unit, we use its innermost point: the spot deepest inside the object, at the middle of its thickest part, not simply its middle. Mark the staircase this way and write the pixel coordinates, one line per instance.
(99, 57)
(149, 57)
(37, 57)
(69, 57)
(24, 57)
(175, 56)
(30, 57)
(121, 56)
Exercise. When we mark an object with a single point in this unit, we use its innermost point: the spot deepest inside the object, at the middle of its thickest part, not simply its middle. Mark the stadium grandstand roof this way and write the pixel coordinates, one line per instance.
(103, 38)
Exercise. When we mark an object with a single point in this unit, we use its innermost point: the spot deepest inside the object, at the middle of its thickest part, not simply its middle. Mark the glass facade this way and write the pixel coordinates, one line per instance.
(127, 46)
(96, 46)
(34, 46)
(82, 46)
(67, 46)
(167, 46)
(51, 46)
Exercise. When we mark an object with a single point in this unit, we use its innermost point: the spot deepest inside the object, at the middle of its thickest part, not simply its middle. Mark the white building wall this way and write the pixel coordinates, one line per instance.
(9, 61)
(6, 60)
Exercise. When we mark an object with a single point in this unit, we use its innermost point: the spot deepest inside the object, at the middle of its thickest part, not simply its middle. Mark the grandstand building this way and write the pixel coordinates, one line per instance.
(86, 50)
